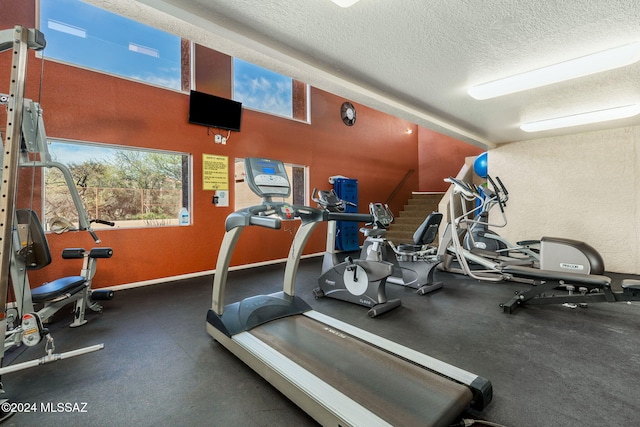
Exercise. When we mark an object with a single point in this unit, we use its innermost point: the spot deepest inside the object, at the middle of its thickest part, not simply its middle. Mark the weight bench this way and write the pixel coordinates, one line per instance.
(590, 288)
(52, 296)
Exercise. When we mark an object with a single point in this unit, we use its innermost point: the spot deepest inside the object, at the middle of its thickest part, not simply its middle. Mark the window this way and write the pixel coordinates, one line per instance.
(85, 35)
(244, 197)
(131, 187)
(267, 91)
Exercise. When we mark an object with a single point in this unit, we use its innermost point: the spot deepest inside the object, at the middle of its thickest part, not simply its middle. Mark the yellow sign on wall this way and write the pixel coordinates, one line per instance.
(215, 172)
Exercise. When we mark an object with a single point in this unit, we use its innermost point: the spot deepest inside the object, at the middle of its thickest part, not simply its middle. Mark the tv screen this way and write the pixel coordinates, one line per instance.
(214, 111)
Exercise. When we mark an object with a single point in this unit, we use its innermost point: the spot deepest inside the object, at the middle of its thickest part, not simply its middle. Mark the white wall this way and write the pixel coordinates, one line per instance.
(582, 186)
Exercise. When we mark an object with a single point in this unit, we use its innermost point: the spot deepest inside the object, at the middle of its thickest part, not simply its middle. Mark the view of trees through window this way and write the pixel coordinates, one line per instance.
(131, 187)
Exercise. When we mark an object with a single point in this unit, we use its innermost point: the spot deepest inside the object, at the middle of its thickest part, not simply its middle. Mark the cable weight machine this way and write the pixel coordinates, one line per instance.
(25, 145)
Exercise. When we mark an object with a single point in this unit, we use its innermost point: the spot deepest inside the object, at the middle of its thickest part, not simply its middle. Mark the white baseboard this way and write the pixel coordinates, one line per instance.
(200, 274)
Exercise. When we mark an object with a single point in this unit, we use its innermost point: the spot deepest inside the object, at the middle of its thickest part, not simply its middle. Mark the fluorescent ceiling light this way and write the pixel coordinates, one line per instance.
(583, 119)
(584, 66)
(345, 3)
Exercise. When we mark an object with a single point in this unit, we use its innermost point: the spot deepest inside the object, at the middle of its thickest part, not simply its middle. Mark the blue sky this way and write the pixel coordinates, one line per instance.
(262, 89)
(83, 34)
(77, 153)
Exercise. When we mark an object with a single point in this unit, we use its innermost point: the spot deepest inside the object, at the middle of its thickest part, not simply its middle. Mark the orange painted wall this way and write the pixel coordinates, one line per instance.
(17, 13)
(84, 105)
(440, 157)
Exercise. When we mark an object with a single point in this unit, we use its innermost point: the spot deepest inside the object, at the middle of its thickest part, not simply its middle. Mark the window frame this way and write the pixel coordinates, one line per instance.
(255, 200)
(185, 54)
(125, 224)
(298, 114)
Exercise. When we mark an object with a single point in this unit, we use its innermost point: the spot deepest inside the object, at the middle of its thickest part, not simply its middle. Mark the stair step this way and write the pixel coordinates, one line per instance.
(405, 226)
(418, 199)
(418, 207)
(400, 238)
(422, 214)
(422, 204)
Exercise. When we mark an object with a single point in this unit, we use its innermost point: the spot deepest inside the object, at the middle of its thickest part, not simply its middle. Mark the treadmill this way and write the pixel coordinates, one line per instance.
(338, 374)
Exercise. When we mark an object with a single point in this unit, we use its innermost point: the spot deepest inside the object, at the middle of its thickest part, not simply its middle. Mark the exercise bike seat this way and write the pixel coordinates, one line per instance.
(425, 234)
(65, 286)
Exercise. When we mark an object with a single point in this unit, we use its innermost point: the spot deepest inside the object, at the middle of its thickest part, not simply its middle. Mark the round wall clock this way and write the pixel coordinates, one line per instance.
(348, 113)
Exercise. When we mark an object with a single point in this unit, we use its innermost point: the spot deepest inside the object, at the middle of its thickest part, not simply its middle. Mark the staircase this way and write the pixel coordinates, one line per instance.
(407, 221)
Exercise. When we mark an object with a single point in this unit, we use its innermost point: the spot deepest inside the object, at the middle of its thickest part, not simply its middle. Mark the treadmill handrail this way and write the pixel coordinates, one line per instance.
(222, 268)
(295, 253)
(269, 215)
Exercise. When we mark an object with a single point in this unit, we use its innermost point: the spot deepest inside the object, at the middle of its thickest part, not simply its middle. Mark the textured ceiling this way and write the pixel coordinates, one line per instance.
(415, 59)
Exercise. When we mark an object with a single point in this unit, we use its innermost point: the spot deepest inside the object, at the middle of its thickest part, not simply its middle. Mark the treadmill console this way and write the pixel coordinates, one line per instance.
(267, 178)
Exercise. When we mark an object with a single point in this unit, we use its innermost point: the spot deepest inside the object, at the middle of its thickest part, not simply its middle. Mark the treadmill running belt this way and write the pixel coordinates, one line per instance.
(396, 390)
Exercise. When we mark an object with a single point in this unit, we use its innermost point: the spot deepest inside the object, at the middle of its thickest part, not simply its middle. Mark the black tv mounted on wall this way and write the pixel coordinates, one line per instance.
(214, 111)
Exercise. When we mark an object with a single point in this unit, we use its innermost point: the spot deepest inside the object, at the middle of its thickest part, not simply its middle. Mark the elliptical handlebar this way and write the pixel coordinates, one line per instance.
(499, 198)
(487, 196)
(462, 187)
(501, 193)
(504, 189)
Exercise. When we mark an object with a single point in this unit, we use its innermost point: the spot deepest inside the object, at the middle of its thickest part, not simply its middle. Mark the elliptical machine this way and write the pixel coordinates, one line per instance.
(480, 236)
(356, 281)
(555, 254)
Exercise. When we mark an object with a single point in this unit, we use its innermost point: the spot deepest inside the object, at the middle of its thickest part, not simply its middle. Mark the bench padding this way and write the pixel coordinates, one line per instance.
(56, 288)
